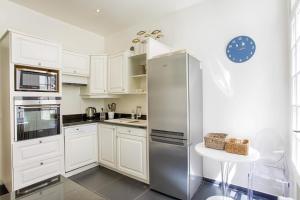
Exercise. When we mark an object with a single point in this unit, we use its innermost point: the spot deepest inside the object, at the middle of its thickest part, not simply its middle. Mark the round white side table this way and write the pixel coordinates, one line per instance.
(226, 161)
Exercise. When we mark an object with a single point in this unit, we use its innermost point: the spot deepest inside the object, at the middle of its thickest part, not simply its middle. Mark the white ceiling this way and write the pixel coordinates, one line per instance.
(114, 16)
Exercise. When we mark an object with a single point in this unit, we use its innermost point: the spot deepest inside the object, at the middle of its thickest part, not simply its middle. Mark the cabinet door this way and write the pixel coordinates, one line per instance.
(75, 64)
(29, 151)
(80, 149)
(98, 75)
(117, 71)
(107, 145)
(132, 155)
(37, 171)
(35, 52)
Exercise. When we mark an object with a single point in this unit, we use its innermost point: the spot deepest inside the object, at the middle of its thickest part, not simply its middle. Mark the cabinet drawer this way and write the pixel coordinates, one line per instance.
(37, 171)
(91, 128)
(38, 149)
(131, 131)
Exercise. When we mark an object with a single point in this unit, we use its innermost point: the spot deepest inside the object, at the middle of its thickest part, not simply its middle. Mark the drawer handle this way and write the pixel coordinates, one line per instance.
(42, 163)
(77, 129)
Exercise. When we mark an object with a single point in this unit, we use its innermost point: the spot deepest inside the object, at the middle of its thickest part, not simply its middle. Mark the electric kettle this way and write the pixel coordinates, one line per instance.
(90, 112)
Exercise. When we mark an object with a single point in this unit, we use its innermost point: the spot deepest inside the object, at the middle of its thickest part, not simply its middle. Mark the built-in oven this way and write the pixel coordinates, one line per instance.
(36, 79)
(37, 117)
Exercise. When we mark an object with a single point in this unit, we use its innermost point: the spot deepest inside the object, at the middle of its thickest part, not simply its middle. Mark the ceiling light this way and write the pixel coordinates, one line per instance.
(98, 10)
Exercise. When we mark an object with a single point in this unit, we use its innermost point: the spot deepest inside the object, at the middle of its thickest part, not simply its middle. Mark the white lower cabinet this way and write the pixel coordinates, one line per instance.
(80, 146)
(36, 160)
(132, 155)
(124, 149)
(37, 171)
(107, 145)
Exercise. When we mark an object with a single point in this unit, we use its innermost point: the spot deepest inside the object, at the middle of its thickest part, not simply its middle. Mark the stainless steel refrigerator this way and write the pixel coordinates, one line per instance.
(175, 124)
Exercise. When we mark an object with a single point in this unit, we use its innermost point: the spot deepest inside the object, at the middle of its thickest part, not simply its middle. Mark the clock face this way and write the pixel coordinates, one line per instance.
(240, 49)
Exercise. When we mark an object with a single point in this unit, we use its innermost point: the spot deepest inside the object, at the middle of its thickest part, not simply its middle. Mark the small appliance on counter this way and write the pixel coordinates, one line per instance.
(102, 115)
(90, 113)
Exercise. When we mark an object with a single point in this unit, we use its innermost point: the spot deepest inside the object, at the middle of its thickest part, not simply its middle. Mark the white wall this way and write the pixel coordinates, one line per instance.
(246, 99)
(13, 16)
(128, 103)
(72, 103)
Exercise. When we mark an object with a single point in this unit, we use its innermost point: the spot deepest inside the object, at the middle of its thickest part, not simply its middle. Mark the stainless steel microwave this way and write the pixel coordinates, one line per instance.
(36, 79)
(37, 117)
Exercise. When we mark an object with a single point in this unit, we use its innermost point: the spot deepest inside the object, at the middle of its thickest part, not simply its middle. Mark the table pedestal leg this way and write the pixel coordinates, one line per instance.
(225, 169)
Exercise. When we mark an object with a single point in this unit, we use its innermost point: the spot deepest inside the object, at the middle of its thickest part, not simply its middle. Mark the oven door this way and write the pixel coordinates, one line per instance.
(28, 79)
(36, 121)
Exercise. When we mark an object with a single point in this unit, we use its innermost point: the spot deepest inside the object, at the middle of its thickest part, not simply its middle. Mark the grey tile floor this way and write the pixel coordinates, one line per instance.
(114, 186)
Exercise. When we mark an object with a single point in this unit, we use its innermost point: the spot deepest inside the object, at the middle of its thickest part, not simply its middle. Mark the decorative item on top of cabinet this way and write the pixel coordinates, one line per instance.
(139, 43)
(118, 73)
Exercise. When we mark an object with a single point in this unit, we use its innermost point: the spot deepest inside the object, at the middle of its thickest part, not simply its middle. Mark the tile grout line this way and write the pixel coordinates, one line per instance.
(142, 194)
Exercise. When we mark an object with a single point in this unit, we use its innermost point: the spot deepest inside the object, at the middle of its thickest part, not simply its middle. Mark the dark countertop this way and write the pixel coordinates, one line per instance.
(80, 119)
(65, 189)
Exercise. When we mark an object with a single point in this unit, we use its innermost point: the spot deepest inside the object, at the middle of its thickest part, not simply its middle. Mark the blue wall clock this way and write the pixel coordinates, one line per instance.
(240, 49)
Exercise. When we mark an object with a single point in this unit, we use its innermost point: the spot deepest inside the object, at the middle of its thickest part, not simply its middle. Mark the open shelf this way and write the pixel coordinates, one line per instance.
(139, 76)
(139, 56)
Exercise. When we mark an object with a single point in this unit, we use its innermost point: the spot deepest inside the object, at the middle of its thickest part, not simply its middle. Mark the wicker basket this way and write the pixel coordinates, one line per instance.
(215, 140)
(237, 146)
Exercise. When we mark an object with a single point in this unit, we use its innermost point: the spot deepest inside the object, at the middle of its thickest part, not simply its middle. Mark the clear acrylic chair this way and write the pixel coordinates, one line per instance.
(272, 168)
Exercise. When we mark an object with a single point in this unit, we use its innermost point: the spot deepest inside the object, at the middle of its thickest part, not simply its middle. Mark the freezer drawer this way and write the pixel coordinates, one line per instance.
(169, 166)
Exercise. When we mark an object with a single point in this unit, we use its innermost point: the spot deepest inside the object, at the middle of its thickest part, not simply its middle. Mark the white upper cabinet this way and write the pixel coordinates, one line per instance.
(97, 83)
(35, 52)
(98, 75)
(75, 64)
(118, 73)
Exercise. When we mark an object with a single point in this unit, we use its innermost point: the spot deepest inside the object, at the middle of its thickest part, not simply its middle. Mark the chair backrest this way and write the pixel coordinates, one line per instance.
(271, 144)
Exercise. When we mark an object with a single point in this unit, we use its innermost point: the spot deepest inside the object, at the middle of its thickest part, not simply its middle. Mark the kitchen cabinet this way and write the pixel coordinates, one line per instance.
(131, 151)
(29, 151)
(118, 73)
(97, 83)
(37, 171)
(75, 64)
(80, 146)
(31, 51)
(107, 145)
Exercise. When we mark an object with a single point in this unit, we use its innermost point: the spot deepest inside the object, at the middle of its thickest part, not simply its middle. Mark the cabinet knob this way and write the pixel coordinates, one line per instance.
(39, 63)
(41, 141)
(41, 163)
(77, 129)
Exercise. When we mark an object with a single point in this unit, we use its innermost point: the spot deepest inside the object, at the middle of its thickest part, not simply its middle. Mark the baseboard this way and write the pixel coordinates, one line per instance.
(245, 190)
(79, 170)
(3, 190)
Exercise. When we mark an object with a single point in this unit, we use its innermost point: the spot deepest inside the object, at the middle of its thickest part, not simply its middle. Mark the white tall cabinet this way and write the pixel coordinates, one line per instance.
(28, 161)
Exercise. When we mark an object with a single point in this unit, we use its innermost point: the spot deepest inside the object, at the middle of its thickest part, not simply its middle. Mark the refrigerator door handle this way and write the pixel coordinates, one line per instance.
(168, 134)
(170, 141)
